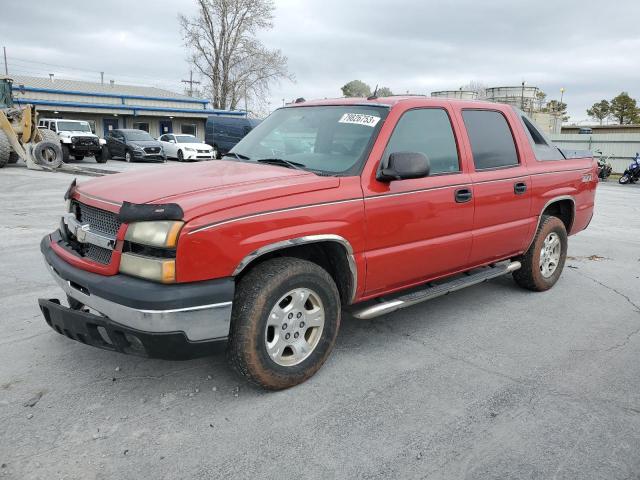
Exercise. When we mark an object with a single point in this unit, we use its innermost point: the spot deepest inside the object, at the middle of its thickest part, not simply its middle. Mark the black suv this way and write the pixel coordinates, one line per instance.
(134, 145)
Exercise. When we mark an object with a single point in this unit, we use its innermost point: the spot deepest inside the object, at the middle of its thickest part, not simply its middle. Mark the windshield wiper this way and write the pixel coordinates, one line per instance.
(282, 162)
(239, 156)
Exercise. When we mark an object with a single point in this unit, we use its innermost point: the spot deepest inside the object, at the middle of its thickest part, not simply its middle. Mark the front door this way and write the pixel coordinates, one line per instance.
(502, 223)
(166, 126)
(419, 229)
(109, 124)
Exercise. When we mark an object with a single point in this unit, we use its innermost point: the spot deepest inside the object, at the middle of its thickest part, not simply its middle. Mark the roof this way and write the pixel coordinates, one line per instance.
(96, 87)
(393, 100)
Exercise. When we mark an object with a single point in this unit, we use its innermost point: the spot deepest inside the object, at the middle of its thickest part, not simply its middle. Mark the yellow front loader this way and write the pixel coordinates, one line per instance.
(20, 137)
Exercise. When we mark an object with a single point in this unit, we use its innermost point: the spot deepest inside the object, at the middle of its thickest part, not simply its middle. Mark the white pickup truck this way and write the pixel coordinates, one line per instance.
(76, 138)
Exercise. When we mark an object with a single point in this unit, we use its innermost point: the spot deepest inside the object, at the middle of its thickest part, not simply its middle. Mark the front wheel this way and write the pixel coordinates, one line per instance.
(624, 179)
(285, 320)
(542, 264)
(180, 156)
(127, 156)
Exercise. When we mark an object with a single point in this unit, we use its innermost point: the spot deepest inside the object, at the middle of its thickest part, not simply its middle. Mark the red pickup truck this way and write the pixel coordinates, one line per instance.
(364, 205)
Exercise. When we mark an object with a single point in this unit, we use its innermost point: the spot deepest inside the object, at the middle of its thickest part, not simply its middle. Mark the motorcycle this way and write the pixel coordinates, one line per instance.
(632, 173)
(604, 167)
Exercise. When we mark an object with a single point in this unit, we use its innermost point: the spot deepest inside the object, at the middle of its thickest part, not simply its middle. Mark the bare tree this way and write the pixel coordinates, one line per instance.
(224, 49)
(476, 86)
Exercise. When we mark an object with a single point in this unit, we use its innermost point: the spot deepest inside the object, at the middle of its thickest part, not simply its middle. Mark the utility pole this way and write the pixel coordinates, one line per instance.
(6, 67)
(522, 97)
(101, 78)
(191, 81)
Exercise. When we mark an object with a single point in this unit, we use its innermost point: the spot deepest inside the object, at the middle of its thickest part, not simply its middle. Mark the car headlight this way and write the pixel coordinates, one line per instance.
(189, 149)
(155, 269)
(138, 147)
(74, 139)
(161, 234)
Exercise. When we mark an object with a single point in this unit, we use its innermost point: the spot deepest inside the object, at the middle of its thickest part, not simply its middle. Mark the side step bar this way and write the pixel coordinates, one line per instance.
(430, 292)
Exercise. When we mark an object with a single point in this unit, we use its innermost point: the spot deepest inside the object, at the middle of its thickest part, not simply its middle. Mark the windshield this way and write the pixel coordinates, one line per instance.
(137, 135)
(74, 127)
(328, 139)
(187, 139)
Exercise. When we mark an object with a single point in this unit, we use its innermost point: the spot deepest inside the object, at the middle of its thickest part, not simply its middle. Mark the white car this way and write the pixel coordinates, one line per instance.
(186, 147)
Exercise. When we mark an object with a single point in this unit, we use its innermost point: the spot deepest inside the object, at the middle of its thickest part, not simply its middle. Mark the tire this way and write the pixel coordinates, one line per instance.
(180, 156)
(103, 156)
(79, 157)
(65, 153)
(13, 158)
(623, 180)
(128, 157)
(261, 293)
(48, 154)
(534, 276)
(5, 149)
(49, 135)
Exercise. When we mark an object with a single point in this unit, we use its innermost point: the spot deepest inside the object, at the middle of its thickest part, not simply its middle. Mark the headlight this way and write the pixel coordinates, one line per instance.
(156, 269)
(74, 139)
(138, 147)
(189, 149)
(162, 234)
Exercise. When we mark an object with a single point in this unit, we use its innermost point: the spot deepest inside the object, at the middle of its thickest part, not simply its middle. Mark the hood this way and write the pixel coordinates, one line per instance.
(76, 133)
(198, 146)
(205, 187)
(145, 143)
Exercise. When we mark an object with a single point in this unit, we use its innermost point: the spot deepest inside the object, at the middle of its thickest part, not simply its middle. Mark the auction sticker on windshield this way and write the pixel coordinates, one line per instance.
(360, 119)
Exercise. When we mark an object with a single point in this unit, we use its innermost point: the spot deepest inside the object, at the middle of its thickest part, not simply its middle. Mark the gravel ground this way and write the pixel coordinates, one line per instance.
(490, 382)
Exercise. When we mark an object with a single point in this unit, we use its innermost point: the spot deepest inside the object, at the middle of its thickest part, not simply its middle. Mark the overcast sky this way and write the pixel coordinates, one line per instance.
(591, 48)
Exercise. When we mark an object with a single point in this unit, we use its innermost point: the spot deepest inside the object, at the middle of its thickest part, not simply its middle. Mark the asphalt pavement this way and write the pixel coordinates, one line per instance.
(491, 382)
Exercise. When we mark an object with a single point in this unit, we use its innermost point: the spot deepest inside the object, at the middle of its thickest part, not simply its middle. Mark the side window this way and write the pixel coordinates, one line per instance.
(491, 140)
(428, 131)
(52, 126)
(543, 149)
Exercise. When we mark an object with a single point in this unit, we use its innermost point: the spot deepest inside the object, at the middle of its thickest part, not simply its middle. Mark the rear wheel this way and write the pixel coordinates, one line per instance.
(286, 316)
(5, 149)
(624, 179)
(542, 264)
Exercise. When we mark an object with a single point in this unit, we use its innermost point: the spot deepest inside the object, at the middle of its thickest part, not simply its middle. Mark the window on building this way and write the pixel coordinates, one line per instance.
(427, 131)
(141, 126)
(189, 129)
(491, 140)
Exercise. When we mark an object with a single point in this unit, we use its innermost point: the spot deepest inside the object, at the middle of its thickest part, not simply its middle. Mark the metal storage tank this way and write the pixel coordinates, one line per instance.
(520, 96)
(459, 94)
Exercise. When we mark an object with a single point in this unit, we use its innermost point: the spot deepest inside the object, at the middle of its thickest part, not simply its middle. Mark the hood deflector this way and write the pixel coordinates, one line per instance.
(133, 212)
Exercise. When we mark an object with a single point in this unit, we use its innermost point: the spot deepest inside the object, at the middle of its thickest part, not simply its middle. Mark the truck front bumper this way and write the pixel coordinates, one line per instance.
(135, 316)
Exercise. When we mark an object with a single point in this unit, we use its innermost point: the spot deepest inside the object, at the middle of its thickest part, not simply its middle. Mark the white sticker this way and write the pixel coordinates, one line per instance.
(360, 119)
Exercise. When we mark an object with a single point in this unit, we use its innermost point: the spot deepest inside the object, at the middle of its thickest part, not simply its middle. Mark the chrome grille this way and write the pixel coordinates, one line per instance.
(101, 221)
(152, 149)
(98, 254)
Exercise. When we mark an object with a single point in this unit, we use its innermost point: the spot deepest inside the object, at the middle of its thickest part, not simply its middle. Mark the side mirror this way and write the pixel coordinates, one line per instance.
(405, 165)
(172, 141)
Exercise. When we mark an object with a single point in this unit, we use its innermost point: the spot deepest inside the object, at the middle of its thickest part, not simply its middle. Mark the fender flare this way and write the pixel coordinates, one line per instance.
(307, 239)
(546, 205)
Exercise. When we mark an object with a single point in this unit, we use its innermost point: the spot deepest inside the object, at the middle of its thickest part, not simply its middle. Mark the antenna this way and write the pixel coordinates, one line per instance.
(375, 94)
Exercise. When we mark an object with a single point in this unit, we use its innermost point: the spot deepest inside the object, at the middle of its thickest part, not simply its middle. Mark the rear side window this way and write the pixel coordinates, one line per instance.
(542, 147)
(492, 144)
(427, 131)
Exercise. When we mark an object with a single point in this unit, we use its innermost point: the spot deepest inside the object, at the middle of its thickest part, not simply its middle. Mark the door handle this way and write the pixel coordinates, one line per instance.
(463, 195)
(519, 188)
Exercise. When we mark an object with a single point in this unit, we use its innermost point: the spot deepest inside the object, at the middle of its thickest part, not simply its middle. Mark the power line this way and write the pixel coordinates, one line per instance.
(191, 81)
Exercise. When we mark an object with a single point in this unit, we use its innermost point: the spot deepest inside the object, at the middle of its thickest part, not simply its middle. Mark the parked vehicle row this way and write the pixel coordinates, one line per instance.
(78, 141)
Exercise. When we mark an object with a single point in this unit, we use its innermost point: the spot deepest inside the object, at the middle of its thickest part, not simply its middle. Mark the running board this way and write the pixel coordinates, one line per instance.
(434, 291)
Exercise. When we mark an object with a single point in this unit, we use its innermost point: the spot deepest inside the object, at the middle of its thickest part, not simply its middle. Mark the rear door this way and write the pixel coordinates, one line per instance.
(418, 229)
(501, 185)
